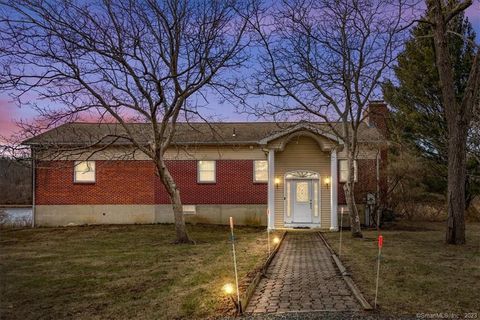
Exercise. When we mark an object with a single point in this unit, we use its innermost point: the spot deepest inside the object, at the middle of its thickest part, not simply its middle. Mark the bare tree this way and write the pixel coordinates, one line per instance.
(128, 60)
(458, 112)
(15, 182)
(474, 143)
(324, 61)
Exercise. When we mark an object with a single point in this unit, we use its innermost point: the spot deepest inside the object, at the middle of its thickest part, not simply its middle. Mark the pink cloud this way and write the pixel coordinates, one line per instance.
(8, 112)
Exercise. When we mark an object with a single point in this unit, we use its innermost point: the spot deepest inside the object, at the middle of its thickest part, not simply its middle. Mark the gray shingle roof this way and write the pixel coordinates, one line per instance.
(231, 133)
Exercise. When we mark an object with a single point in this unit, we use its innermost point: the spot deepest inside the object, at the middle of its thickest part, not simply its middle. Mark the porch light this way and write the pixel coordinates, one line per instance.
(327, 182)
(277, 182)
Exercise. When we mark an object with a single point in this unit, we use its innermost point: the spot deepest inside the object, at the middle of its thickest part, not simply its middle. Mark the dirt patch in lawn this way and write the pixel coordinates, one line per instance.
(419, 273)
(122, 272)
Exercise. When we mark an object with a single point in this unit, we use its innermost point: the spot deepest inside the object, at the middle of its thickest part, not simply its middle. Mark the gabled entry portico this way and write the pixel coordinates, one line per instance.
(302, 180)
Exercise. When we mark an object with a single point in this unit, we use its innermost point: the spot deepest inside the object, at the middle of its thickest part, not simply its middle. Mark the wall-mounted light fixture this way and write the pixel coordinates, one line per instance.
(277, 182)
(327, 182)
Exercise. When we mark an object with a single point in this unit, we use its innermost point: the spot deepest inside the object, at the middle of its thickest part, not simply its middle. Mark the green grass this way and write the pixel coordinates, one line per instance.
(122, 271)
(418, 272)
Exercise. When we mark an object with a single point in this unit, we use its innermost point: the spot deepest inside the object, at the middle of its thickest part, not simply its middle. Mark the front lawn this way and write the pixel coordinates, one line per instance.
(121, 271)
(419, 273)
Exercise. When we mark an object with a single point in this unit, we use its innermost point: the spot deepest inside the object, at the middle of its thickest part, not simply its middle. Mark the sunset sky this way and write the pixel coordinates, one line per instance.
(10, 113)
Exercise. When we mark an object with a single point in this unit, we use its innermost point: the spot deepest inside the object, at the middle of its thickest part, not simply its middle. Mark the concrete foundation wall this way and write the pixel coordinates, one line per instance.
(63, 215)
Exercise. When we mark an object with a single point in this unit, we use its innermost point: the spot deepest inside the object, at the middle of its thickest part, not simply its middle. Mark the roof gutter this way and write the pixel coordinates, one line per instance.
(213, 143)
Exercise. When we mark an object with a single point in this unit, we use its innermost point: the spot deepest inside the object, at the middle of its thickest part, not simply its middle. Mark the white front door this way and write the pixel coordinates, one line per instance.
(302, 201)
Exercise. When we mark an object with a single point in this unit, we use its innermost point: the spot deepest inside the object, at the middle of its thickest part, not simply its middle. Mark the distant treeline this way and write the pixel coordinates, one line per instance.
(15, 182)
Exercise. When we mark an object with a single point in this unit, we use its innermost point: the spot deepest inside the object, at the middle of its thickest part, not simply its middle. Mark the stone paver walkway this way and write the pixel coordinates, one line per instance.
(302, 277)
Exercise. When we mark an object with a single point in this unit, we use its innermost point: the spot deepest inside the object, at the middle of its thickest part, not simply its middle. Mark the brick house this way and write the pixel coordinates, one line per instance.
(261, 173)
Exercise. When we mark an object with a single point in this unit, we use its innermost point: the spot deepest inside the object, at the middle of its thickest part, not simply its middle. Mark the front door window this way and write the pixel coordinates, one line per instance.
(302, 192)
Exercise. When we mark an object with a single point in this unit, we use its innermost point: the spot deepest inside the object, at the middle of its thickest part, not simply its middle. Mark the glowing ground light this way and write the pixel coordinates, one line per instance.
(228, 289)
(276, 240)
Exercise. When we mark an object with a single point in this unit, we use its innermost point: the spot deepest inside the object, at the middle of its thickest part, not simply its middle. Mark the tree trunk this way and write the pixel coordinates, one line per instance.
(174, 193)
(457, 173)
(458, 119)
(349, 189)
(352, 209)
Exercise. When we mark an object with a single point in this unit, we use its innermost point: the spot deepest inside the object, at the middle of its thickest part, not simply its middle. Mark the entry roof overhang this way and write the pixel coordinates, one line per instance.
(304, 129)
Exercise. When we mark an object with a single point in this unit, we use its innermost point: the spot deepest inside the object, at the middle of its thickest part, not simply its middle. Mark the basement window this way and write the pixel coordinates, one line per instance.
(84, 172)
(343, 170)
(189, 209)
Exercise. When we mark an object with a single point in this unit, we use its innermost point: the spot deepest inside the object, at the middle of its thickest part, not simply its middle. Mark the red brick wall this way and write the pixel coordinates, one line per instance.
(135, 182)
(377, 115)
(366, 181)
(117, 182)
(234, 184)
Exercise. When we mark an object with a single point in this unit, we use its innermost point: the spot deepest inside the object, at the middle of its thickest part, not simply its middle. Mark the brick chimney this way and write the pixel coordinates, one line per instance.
(376, 115)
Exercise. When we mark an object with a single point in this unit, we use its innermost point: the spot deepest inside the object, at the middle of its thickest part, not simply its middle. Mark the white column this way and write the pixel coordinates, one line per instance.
(271, 189)
(333, 190)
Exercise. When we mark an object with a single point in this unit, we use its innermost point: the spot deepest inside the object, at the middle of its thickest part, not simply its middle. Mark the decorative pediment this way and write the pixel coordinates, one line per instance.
(326, 140)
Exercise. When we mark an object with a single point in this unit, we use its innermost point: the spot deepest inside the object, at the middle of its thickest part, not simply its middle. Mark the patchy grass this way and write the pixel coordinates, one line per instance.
(418, 272)
(122, 271)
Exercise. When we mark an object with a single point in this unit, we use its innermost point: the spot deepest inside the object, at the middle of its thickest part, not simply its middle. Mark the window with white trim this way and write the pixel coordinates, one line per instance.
(84, 171)
(206, 171)
(260, 171)
(343, 170)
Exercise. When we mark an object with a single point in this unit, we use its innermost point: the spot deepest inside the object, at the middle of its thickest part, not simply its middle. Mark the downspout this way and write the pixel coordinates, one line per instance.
(32, 151)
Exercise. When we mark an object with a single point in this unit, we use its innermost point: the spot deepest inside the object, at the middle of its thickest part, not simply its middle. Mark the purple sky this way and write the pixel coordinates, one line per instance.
(10, 113)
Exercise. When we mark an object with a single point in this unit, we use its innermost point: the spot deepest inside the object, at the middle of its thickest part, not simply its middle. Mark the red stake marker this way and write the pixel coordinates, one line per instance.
(380, 241)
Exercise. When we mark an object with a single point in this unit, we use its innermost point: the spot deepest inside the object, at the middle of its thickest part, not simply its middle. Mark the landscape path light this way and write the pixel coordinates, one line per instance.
(229, 290)
(238, 304)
